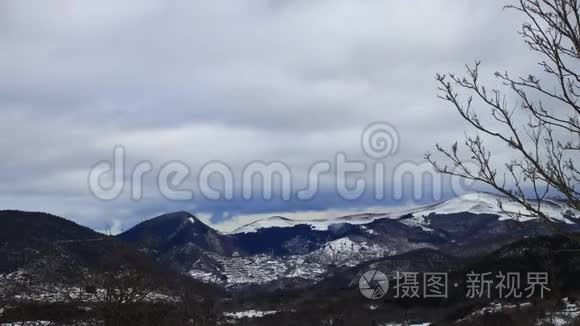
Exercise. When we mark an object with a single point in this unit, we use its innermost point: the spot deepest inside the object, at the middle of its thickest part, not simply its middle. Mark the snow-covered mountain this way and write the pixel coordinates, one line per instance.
(486, 203)
(277, 249)
(316, 224)
(475, 203)
(263, 268)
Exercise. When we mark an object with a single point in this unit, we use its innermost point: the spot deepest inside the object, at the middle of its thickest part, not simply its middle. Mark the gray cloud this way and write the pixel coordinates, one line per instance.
(233, 81)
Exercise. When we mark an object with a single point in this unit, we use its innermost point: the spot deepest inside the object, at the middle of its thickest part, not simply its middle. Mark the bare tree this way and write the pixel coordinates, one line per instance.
(540, 127)
(117, 283)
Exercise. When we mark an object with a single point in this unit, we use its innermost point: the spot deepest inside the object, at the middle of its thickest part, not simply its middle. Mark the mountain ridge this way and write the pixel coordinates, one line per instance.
(287, 249)
(488, 202)
(279, 248)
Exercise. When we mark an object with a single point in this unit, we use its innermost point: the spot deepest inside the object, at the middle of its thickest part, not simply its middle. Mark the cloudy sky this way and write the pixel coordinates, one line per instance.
(230, 81)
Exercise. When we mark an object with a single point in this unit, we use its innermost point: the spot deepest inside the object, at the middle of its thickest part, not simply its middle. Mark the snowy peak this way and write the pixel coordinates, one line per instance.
(280, 248)
(271, 222)
(486, 203)
(317, 224)
(482, 203)
(165, 227)
(177, 232)
(474, 202)
(345, 251)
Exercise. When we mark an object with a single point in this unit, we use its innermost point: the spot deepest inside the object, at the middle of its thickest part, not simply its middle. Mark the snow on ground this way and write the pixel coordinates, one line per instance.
(53, 294)
(344, 251)
(260, 269)
(29, 323)
(206, 277)
(249, 314)
(423, 324)
(367, 230)
(496, 307)
(416, 222)
(564, 317)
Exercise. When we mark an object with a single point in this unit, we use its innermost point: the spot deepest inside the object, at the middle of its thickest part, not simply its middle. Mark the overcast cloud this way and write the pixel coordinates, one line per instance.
(235, 81)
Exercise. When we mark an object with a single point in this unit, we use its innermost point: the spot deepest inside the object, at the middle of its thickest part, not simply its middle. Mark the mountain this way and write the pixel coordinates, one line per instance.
(306, 271)
(170, 230)
(318, 224)
(52, 270)
(23, 235)
(281, 251)
(33, 245)
(480, 203)
(338, 293)
(486, 203)
(40, 228)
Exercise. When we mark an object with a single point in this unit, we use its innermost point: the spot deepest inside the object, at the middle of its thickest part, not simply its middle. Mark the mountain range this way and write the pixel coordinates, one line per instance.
(278, 251)
(282, 252)
(297, 270)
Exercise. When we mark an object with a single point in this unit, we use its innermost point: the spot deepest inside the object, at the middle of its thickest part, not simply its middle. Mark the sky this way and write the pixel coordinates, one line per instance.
(237, 82)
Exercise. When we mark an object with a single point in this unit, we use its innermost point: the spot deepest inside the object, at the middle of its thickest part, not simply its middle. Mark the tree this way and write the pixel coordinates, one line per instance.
(540, 128)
